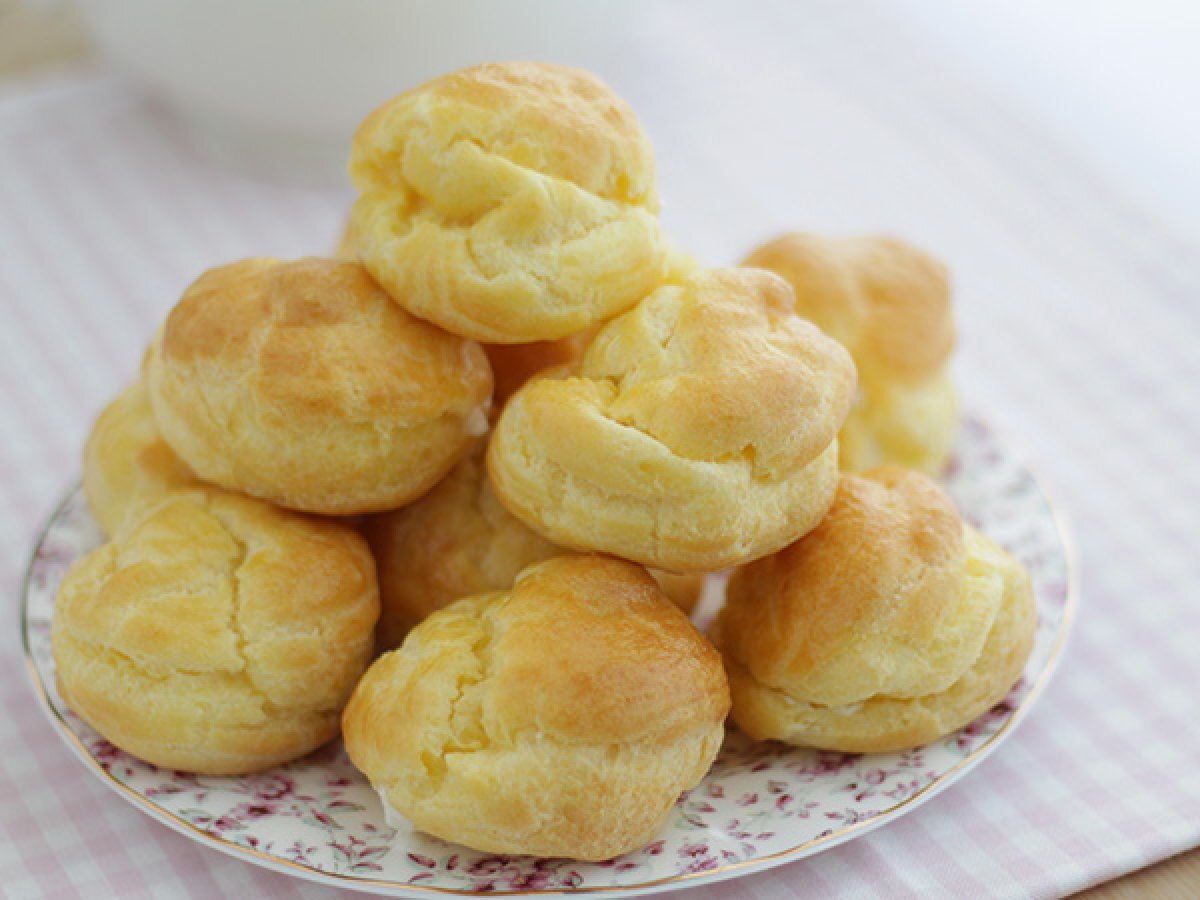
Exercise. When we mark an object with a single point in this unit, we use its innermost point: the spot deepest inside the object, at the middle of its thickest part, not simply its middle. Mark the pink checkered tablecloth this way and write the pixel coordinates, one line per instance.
(1079, 317)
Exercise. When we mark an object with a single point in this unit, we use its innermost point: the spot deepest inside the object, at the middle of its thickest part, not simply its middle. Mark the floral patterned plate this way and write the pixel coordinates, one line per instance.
(761, 805)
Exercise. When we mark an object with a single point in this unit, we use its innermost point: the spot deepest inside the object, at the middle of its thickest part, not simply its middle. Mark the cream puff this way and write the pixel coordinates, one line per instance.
(508, 203)
(457, 541)
(515, 364)
(561, 718)
(698, 432)
(216, 633)
(302, 383)
(891, 624)
(890, 304)
(126, 462)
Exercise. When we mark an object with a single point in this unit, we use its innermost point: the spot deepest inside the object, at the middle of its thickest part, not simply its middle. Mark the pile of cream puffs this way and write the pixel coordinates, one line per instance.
(454, 493)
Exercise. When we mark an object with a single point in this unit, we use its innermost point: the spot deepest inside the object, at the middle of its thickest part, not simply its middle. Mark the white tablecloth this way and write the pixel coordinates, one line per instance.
(1079, 316)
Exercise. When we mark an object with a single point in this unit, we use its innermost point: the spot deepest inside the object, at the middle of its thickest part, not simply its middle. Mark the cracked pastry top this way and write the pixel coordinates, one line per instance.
(216, 634)
(889, 303)
(509, 202)
(126, 462)
(889, 625)
(560, 718)
(457, 541)
(302, 383)
(513, 364)
(698, 431)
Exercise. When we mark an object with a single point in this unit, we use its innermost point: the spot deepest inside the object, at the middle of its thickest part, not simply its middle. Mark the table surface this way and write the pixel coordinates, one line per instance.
(1114, 258)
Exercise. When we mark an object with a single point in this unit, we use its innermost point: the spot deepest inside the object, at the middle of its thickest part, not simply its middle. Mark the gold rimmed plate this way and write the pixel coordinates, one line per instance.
(761, 805)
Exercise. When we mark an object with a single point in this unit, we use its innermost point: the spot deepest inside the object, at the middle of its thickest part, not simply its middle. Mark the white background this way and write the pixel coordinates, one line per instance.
(1118, 79)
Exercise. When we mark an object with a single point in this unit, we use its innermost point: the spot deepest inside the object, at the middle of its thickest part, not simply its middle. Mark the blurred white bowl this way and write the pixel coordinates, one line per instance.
(279, 85)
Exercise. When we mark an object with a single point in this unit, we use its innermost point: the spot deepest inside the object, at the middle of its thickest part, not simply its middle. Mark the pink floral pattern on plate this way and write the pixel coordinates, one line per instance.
(762, 804)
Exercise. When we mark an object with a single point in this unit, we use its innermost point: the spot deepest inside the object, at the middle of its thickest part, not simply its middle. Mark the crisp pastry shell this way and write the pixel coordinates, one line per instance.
(216, 633)
(302, 383)
(889, 626)
(697, 433)
(508, 203)
(468, 737)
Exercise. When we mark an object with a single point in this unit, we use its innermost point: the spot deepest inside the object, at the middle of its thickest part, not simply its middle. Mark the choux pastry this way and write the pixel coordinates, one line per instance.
(216, 633)
(889, 303)
(888, 626)
(126, 462)
(512, 364)
(682, 590)
(699, 431)
(302, 383)
(458, 541)
(508, 203)
(560, 718)
(515, 364)
(454, 542)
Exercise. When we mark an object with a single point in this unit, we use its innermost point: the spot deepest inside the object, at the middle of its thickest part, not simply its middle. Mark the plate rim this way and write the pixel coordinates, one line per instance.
(680, 880)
